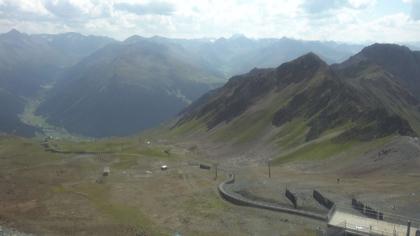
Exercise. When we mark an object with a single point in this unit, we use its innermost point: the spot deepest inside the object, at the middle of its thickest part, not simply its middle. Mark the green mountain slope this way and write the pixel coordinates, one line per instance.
(74, 46)
(125, 88)
(29, 61)
(25, 63)
(400, 61)
(10, 123)
(302, 102)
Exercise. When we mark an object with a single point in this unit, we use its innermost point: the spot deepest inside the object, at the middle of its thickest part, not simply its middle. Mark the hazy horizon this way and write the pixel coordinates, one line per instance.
(412, 44)
(367, 21)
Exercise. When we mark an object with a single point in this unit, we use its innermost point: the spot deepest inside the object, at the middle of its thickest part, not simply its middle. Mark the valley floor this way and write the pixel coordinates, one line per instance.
(30, 117)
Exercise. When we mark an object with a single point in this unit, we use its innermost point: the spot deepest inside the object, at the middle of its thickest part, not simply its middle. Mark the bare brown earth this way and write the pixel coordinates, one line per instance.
(47, 193)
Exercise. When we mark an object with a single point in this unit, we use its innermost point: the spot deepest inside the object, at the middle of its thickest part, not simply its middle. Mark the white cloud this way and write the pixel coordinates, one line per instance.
(149, 8)
(362, 3)
(13, 7)
(322, 6)
(391, 28)
(415, 8)
(63, 9)
(344, 20)
(415, 12)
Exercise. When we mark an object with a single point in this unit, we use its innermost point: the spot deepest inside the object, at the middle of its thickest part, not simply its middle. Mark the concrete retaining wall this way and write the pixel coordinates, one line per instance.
(240, 200)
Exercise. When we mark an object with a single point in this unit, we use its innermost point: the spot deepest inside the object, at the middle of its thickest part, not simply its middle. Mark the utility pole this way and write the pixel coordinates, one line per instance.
(215, 171)
(408, 228)
(269, 168)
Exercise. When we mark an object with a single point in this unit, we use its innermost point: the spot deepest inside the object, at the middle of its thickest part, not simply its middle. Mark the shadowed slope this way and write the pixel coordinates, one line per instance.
(302, 101)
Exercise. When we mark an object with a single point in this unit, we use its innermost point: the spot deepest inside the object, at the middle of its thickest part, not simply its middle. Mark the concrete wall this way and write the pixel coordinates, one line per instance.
(240, 200)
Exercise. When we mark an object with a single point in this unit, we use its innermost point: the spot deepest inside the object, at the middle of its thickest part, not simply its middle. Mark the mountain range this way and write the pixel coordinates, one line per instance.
(99, 87)
(124, 88)
(29, 61)
(239, 54)
(371, 95)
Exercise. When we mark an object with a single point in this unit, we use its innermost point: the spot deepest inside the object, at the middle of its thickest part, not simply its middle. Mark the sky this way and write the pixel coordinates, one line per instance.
(355, 21)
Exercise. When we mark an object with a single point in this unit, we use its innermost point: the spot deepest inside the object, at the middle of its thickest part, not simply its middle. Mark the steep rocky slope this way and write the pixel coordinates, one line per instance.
(305, 101)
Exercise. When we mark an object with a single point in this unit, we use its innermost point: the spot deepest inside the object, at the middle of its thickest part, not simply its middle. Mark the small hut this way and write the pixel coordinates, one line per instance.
(106, 171)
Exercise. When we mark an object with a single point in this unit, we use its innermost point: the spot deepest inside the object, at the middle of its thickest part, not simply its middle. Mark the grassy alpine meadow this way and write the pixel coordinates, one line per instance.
(48, 193)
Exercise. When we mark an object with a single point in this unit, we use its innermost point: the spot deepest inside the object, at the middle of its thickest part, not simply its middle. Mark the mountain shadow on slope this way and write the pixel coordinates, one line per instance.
(10, 122)
(125, 88)
(326, 98)
(400, 61)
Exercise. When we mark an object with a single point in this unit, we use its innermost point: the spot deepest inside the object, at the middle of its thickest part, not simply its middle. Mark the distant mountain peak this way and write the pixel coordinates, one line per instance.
(309, 62)
(395, 59)
(73, 35)
(15, 36)
(134, 38)
(238, 36)
(385, 46)
(311, 57)
(158, 37)
(14, 33)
